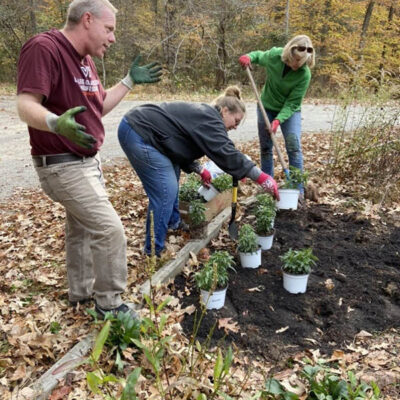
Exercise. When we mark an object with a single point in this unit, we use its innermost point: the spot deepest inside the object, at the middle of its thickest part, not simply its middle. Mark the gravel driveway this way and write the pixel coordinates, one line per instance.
(16, 169)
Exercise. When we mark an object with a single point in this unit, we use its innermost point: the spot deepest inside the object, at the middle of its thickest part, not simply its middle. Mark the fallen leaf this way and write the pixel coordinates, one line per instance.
(282, 329)
(227, 325)
(329, 284)
(60, 393)
(259, 288)
(363, 334)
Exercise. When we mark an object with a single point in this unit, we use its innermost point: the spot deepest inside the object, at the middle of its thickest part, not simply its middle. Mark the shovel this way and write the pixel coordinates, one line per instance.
(232, 227)
(267, 124)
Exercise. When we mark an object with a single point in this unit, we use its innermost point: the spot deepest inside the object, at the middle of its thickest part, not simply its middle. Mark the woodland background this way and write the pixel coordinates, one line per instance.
(198, 42)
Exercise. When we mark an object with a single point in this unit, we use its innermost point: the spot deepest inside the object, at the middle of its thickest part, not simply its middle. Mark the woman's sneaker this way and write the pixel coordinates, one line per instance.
(124, 308)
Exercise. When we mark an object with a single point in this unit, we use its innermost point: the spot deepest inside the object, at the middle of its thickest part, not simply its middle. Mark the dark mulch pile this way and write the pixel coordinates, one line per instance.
(360, 257)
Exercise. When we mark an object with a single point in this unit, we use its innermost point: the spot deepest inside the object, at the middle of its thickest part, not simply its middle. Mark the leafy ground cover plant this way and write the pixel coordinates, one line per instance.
(323, 384)
(247, 242)
(296, 178)
(197, 211)
(265, 216)
(267, 200)
(298, 262)
(188, 189)
(100, 381)
(214, 274)
(222, 182)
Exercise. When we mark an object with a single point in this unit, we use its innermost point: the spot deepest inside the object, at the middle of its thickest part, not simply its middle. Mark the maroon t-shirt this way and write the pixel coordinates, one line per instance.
(49, 65)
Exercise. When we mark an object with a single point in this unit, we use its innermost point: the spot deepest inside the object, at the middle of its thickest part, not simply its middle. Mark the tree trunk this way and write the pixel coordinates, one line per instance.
(287, 16)
(220, 78)
(32, 15)
(383, 57)
(367, 18)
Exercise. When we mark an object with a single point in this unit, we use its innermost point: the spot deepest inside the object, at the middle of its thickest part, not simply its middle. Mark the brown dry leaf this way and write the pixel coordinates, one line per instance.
(227, 325)
(189, 310)
(363, 335)
(329, 284)
(18, 374)
(193, 257)
(259, 288)
(60, 393)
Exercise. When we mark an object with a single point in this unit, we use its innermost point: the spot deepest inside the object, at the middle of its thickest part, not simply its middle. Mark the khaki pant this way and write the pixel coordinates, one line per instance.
(95, 239)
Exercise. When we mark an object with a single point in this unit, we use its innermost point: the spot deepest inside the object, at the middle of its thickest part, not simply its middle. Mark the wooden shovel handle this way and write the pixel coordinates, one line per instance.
(268, 125)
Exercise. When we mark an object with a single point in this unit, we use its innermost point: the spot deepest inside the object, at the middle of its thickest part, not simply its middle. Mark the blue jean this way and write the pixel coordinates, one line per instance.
(291, 130)
(160, 179)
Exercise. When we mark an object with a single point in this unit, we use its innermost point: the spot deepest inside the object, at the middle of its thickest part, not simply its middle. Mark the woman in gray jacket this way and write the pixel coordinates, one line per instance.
(160, 140)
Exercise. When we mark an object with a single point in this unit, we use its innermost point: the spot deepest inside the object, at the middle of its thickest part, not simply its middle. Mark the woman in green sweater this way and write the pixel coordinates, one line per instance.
(288, 77)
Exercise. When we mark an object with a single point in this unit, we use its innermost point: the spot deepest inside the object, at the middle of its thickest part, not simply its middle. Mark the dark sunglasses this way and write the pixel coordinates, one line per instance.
(304, 48)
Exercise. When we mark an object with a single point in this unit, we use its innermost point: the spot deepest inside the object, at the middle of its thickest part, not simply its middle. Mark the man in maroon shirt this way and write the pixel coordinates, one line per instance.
(61, 99)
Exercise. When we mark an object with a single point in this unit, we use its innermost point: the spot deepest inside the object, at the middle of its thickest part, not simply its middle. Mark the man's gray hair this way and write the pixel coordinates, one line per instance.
(78, 7)
(289, 50)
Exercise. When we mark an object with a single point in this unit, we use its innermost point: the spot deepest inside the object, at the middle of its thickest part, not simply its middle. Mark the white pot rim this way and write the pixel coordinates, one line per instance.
(299, 275)
(289, 190)
(254, 252)
(270, 233)
(215, 291)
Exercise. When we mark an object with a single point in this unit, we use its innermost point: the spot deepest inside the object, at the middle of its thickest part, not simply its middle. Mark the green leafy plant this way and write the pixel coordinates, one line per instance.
(123, 330)
(55, 327)
(298, 262)
(197, 211)
(222, 182)
(247, 242)
(99, 381)
(214, 274)
(188, 189)
(266, 200)
(265, 216)
(324, 385)
(296, 178)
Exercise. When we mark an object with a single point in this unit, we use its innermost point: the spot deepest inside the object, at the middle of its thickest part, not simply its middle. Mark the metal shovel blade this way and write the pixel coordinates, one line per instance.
(232, 227)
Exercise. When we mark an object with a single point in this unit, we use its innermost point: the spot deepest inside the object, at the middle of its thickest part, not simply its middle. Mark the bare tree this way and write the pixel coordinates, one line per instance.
(367, 19)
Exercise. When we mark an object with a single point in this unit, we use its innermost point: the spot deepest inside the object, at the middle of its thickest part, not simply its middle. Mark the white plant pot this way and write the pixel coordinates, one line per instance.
(207, 193)
(289, 199)
(295, 283)
(250, 260)
(265, 241)
(214, 300)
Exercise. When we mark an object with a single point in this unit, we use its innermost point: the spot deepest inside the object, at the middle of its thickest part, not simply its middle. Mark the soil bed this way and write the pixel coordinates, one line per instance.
(354, 287)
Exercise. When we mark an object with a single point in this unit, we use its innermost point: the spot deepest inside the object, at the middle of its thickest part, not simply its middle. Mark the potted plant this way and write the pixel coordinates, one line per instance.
(188, 189)
(296, 269)
(220, 184)
(265, 216)
(212, 279)
(197, 218)
(289, 192)
(248, 247)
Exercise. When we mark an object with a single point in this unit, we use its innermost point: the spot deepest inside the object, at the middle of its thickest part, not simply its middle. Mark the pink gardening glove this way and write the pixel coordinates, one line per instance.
(274, 125)
(245, 61)
(205, 177)
(268, 183)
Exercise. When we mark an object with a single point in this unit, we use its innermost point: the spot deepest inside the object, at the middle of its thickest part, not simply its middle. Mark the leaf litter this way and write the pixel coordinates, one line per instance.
(34, 289)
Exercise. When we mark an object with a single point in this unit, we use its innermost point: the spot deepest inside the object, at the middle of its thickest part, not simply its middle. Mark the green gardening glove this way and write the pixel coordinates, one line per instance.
(65, 125)
(149, 73)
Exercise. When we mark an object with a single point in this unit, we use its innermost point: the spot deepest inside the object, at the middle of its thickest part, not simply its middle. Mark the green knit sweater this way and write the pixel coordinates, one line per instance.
(286, 94)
